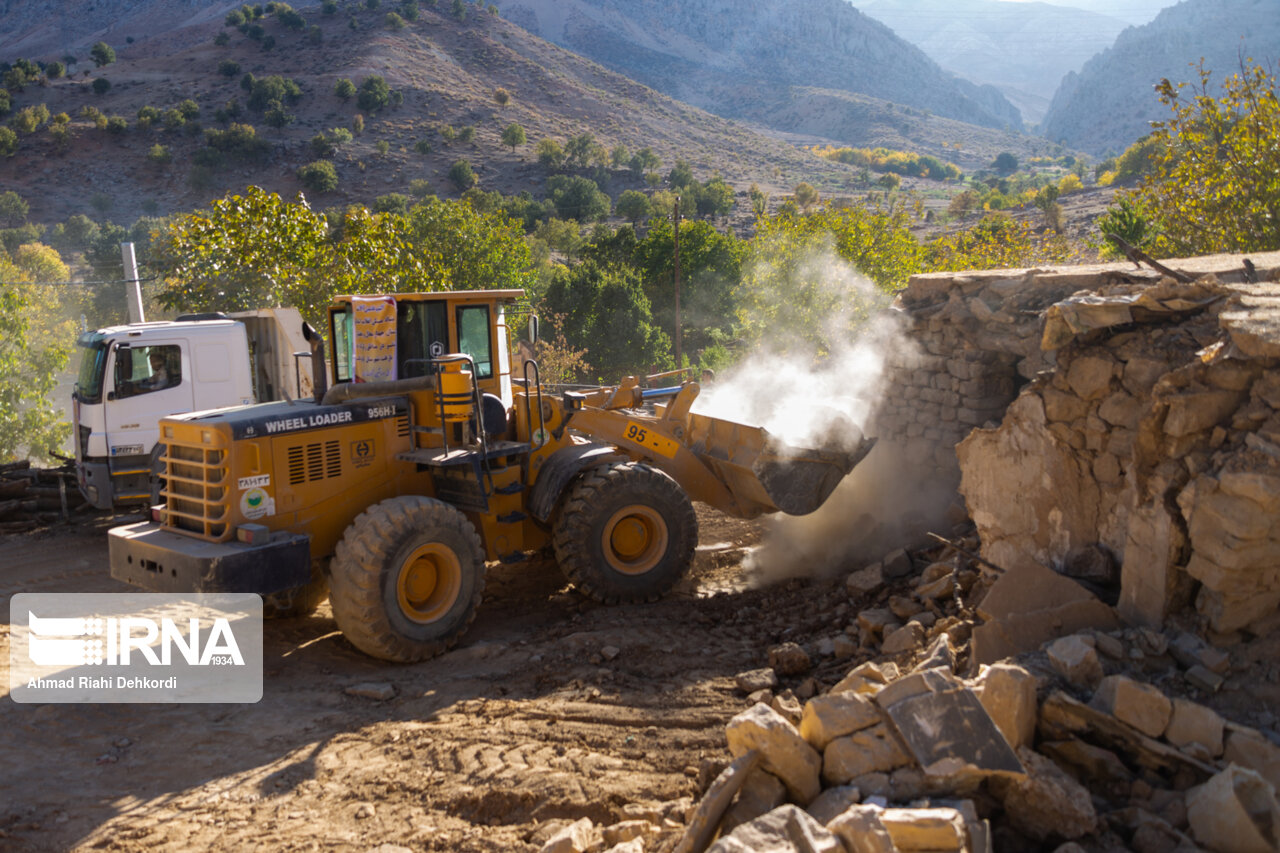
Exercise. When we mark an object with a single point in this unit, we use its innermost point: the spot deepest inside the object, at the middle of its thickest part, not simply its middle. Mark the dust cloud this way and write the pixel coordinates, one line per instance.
(810, 398)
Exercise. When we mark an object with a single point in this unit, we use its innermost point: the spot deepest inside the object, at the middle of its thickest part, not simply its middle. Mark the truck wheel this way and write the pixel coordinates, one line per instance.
(302, 601)
(626, 533)
(406, 579)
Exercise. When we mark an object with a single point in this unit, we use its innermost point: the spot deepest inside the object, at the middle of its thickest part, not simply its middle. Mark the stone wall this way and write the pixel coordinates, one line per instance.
(1128, 424)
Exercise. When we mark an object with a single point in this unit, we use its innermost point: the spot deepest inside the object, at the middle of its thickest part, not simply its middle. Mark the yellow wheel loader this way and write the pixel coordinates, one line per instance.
(391, 490)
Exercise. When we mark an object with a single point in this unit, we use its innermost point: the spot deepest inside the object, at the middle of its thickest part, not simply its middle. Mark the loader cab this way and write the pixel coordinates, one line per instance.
(396, 336)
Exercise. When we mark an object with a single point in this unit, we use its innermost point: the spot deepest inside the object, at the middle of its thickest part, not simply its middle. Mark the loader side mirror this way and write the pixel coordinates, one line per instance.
(533, 328)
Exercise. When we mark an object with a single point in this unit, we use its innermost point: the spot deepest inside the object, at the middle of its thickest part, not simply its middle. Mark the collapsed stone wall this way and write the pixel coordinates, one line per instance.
(1111, 423)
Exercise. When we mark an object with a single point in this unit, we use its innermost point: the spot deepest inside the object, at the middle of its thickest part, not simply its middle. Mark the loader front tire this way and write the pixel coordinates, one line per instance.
(626, 533)
(406, 579)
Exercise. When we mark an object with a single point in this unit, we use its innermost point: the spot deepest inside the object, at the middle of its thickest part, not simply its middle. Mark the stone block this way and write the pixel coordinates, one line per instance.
(1193, 412)
(1122, 410)
(945, 727)
(761, 793)
(577, 837)
(925, 829)
(866, 678)
(1075, 660)
(789, 659)
(1235, 812)
(1250, 748)
(833, 802)
(908, 638)
(1209, 682)
(620, 833)
(860, 829)
(756, 679)
(865, 581)
(1089, 376)
(897, 564)
(834, 715)
(786, 829)
(783, 752)
(1047, 802)
(875, 620)
(1062, 407)
(1139, 705)
(1192, 722)
(871, 750)
(1008, 693)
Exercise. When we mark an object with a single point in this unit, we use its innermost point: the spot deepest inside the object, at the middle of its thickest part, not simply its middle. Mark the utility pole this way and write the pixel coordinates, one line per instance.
(133, 289)
(676, 217)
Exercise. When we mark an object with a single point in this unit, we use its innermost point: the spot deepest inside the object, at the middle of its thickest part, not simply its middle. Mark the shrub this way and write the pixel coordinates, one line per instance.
(395, 22)
(8, 142)
(344, 89)
(262, 92)
(159, 154)
(374, 94)
(391, 203)
(501, 97)
(382, 147)
(101, 85)
(189, 109)
(319, 176)
(228, 67)
(422, 146)
(420, 188)
(117, 125)
(102, 54)
(462, 175)
(222, 39)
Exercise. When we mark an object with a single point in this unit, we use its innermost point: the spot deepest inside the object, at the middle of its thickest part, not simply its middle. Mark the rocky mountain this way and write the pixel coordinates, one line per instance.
(745, 58)
(1110, 103)
(1023, 49)
(56, 27)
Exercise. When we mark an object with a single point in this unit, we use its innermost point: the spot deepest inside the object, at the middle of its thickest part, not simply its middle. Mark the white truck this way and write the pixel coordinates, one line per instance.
(132, 376)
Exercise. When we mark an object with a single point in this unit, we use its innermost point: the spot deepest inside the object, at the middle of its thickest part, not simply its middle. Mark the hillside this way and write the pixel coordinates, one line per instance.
(732, 58)
(447, 73)
(1023, 49)
(1109, 103)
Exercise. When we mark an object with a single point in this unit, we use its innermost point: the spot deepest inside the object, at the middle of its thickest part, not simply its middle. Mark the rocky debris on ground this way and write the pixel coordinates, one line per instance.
(379, 691)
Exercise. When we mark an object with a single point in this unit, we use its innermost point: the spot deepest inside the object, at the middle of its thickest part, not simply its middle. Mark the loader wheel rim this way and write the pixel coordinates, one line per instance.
(429, 582)
(635, 539)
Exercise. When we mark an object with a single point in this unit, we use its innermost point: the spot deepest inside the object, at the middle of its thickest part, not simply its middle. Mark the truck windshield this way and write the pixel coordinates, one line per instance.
(93, 363)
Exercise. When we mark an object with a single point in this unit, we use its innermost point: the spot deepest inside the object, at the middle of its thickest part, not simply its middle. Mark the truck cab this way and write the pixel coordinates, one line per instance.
(133, 375)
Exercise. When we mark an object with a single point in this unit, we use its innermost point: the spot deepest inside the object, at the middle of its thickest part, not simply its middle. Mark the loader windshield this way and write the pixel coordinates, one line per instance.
(93, 364)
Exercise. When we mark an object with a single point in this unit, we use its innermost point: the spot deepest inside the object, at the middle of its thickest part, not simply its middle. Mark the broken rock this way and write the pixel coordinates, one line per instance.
(925, 829)
(870, 750)
(906, 639)
(1235, 812)
(1140, 705)
(834, 715)
(865, 581)
(756, 679)
(574, 838)
(1047, 802)
(1192, 722)
(1008, 693)
(867, 678)
(783, 751)
(789, 659)
(1250, 748)
(783, 830)
(1075, 660)
(833, 802)
(860, 829)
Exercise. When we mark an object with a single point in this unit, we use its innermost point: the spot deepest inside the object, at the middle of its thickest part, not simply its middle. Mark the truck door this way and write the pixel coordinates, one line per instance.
(145, 383)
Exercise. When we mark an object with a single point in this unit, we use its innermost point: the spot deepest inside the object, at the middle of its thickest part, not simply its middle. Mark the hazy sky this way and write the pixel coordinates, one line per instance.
(1130, 11)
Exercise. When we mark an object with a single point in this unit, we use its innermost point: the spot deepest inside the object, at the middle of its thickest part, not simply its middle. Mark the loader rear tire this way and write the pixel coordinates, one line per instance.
(626, 533)
(406, 579)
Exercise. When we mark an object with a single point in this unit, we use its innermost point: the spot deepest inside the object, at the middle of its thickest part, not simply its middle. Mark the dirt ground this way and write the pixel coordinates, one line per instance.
(525, 722)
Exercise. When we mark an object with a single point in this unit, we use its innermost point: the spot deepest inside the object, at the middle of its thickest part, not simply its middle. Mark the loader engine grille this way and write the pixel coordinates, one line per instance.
(195, 492)
(319, 460)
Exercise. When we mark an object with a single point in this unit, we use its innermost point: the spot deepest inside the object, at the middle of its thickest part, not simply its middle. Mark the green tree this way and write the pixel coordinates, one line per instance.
(576, 197)
(13, 209)
(472, 250)
(643, 161)
(583, 150)
(1005, 163)
(344, 89)
(391, 203)
(681, 176)
(30, 423)
(6, 102)
(374, 94)
(229, 68)
(714, 198)
(607, 315)
(550, 154)
(55, 70)
(806, 196)
(634, 205)
(101, 86)
(269, 92)
(462, 175)
(514, 136)
(759, 202)
(102, 54)
(159, 154)
(1215, 185)
(395, 22)
(319, 176)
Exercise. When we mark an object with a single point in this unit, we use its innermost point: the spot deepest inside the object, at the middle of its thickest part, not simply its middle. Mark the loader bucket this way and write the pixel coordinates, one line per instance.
(763, 474)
